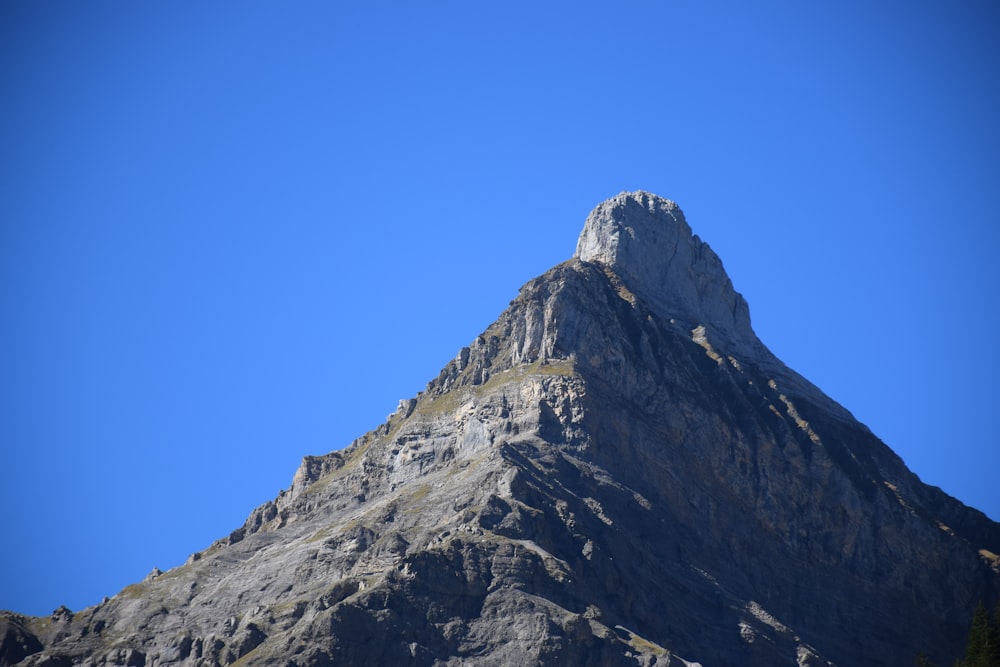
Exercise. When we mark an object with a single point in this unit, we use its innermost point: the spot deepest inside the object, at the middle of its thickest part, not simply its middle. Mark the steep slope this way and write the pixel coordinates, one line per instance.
(616, 472)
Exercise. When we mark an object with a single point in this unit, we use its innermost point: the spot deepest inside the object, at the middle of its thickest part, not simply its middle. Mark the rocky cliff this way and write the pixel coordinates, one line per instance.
(616, 472)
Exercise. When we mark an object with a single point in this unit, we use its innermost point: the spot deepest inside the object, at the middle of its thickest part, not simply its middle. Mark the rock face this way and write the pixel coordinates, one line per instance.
(616, 472)
(648, 244)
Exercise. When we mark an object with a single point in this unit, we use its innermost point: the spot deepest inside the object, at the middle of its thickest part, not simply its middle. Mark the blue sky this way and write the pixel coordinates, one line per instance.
(233, 234)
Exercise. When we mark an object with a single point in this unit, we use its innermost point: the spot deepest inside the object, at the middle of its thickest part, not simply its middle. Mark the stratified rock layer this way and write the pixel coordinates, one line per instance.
(616, 472)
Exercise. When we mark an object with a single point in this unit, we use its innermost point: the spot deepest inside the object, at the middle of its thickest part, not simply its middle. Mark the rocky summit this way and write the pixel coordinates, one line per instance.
(616, 472)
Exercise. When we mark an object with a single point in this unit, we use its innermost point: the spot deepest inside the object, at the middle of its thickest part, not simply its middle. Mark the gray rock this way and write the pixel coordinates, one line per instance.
(645, 241)
(615, 472)
(17, 642)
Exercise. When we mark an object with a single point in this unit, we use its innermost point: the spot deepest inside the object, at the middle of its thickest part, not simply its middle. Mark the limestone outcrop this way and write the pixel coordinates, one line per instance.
(615, 472)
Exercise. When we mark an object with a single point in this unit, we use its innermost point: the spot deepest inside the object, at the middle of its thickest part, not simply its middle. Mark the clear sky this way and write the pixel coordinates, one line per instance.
(236, 233)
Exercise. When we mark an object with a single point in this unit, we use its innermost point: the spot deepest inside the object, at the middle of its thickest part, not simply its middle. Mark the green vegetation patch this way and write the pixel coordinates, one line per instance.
(132, 592)
(642, 644)
(451, 401)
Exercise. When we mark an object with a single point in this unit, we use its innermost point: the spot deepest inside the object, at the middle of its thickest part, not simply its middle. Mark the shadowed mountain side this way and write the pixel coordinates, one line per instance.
(616, 472)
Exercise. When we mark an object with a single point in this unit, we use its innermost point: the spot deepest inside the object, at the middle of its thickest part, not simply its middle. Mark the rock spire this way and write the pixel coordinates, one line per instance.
(646, 241)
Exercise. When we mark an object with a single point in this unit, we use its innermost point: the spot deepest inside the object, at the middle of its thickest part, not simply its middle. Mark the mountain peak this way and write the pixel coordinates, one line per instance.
(646, 241)
(615, 472)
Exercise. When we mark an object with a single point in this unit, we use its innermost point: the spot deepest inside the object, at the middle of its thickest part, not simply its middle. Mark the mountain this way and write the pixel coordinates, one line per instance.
(616, 472)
